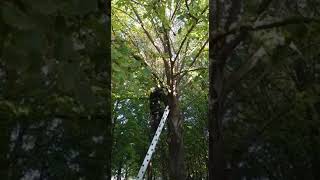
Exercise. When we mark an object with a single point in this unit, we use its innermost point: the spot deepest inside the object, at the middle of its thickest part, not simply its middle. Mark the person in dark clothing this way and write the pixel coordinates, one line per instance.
(158, 101)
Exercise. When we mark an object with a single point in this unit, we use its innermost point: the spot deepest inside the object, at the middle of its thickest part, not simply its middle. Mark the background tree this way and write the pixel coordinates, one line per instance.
(172, 37)
(269, 92)
(55, 89)
(248, 37)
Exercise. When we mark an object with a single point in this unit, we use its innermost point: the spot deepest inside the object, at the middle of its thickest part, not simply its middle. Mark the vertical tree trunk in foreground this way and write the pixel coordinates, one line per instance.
(216, 152)
(109, 123)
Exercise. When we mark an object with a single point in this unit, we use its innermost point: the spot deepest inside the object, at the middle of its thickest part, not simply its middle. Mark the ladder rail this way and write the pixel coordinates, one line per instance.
(152, 147)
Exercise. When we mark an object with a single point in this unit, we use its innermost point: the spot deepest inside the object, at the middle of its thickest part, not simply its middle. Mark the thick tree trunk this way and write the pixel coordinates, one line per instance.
(176, 149)
(109, 123)
(217, 95)
(216, 152)
(215, 115)
(220, 19)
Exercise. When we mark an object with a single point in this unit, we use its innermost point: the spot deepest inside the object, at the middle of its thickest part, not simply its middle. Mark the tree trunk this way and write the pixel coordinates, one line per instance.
(108, 121)
(220, 50)
(176, 151)
(215, 115)
(216, 152)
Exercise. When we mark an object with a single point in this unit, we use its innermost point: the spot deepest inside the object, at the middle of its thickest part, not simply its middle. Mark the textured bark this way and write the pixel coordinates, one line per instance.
(215, 115)
(109, 124)
(176, 151)
(220, 19)
(216, 152)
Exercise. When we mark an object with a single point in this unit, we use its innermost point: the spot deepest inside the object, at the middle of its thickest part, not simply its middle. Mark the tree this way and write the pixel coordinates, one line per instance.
(55, 89)
(171, 29)
(233, 25)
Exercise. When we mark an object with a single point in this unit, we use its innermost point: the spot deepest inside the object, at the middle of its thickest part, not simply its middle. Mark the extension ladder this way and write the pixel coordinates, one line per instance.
(152, 147)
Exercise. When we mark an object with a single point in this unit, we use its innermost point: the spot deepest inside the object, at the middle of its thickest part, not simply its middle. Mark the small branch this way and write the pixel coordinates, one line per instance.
(188, 32)
(165, 62)
(145, 63)
(192, 16)
(277, 24)
(157, 32)
(137, 3)
(175, 10)
(285, 22)
(199, 52)
(124, 12)
(184, 72)
(146, 32)
(185, 53)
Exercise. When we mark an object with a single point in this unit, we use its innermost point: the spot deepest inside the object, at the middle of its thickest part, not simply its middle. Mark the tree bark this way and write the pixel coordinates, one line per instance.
(176, 149)
(109, 123)
(220, 19)
(216, 152)
(216, 64)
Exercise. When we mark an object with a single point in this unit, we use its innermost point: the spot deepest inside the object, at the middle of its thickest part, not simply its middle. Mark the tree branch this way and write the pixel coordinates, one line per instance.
(184, 72)
(175, 10)
(277, 24)
(284, 22)
(199, 52)
(145, 63)
(188, 32)
(146, 32)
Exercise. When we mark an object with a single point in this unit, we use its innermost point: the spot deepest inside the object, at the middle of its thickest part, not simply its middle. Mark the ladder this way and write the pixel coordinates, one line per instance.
(152, 147)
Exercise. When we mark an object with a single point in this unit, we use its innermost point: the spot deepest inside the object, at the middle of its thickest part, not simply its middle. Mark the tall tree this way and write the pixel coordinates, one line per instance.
(55, 89)
(174, 40)
(233, 24)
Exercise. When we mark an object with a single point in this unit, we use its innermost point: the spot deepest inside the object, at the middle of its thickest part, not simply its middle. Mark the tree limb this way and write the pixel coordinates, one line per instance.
(145, 63)
(175, 10)
(184, 72)
(199, 52)
(146, 32)
(187, 34)
(277, 24)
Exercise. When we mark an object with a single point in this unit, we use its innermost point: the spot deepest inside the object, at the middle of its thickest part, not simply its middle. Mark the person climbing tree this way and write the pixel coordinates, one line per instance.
(158, 101)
